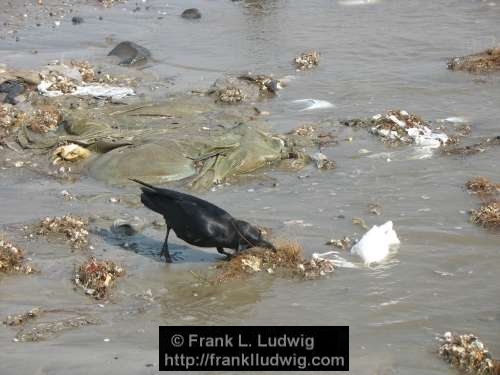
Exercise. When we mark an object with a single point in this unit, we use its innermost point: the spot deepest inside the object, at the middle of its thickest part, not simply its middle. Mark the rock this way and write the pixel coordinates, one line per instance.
(128, 227)
(231, 90)
(486, 61)
(12, 89)
(130, 53)
(191, 14)
(468, 354)
(77, 20)
(322, 162)
(307, 60)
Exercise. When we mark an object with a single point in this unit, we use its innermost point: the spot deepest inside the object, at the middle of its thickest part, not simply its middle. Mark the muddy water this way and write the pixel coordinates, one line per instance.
(375, 57)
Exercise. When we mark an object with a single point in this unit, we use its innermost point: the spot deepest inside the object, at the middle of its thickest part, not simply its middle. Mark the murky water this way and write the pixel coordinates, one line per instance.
(375, 57)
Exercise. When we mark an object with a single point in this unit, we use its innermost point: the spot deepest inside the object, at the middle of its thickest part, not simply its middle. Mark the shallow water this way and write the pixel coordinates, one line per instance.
(374, 57)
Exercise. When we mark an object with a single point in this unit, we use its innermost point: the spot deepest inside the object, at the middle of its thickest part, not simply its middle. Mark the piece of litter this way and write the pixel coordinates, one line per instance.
(333, 258)
(95, 90)
(375, 245)
(443, 273)
(314, 104)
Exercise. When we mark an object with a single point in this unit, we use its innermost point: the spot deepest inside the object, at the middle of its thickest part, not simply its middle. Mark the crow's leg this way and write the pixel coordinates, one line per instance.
(221, 250)
(164, 248)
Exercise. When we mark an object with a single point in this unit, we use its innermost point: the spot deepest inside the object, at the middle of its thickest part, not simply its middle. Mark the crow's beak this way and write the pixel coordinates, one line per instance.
(268, 245)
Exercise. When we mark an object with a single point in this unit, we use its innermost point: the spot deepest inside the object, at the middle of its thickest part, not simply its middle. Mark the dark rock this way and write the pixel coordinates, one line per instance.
(130, 53)
(12, 89)
(191, 14)
(77, 20)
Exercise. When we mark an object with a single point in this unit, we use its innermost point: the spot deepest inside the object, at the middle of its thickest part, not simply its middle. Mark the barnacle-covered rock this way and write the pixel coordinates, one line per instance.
(246, 87)
(73, 228)
(467, 353)
(12, 259)
(488, 216)
(266, 84)
(486, 61)
(44, 119)
(10, 118)
(307, 60)
(230, 95)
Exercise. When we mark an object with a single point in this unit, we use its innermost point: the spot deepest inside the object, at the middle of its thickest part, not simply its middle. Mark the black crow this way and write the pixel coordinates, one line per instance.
(199, 222)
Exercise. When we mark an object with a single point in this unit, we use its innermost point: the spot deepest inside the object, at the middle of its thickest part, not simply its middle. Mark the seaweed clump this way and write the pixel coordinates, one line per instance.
(12, 259)
(72, 227)
(482, 186)
(97, 277)
(472, 149)
(43, 331)
(488, 216)
(20, 319)
(468, 353)
(287, 261)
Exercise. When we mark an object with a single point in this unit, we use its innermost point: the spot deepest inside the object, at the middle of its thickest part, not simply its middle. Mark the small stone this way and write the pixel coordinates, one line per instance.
(77, 20)
(191, 14)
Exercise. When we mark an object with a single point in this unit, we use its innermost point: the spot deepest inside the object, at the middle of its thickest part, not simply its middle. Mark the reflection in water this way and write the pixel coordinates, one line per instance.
(200, 303)
(260, 7)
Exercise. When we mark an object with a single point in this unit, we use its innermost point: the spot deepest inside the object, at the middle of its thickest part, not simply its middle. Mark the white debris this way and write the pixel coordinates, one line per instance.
(358, 2)
(376, 244)
(314, 104)
(95, 90)
(334, 259)
(297, 222)
(454, 120)
(403, 127)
